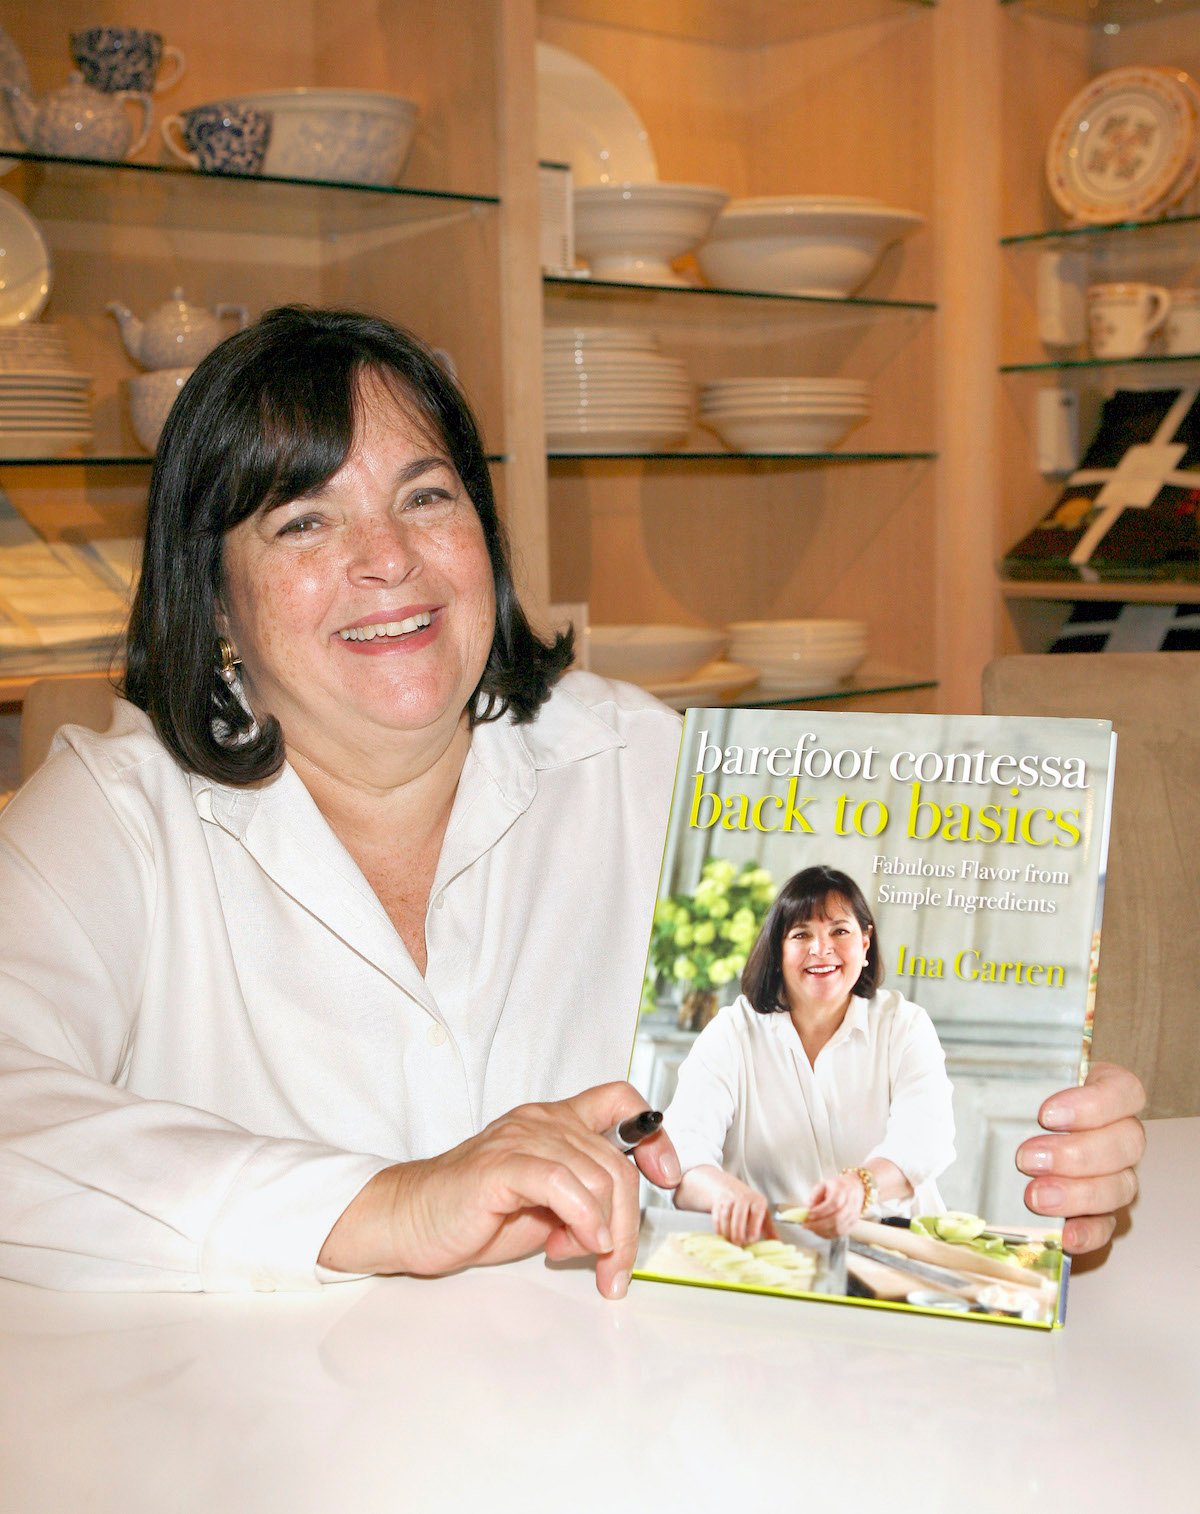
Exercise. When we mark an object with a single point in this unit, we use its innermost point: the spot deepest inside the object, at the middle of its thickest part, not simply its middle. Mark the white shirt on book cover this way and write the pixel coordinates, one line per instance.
(749, 1101)
(211, 1034)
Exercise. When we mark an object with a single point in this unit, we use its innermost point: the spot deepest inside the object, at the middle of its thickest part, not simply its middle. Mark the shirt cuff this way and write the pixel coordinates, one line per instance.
(273, 1221)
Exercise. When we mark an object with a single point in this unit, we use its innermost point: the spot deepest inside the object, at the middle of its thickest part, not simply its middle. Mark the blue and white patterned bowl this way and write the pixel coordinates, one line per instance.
(343, 136)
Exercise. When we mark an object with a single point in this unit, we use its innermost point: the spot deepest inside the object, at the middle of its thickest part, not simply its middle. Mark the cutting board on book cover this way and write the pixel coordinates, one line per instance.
(1130, 511)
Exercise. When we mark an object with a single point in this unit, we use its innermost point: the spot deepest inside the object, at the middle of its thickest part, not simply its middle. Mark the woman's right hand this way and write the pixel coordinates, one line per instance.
(543, 1177)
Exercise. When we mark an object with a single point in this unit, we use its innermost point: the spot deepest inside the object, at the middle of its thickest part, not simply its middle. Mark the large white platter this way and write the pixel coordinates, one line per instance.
(25, 269)
(716, 680)
(586, 121)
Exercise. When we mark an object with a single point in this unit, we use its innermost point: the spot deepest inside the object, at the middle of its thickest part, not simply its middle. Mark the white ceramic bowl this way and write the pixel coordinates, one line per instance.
(645, 654)
(804, 626)
(631, 232)
(151, 396)
(806, 245)
(344, 136)
(805, 432)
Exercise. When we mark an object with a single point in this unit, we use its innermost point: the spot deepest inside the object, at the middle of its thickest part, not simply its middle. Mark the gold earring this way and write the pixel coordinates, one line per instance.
(228, 662)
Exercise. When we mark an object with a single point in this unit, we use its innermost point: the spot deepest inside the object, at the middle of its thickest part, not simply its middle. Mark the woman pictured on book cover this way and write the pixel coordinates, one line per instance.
(816, 1087)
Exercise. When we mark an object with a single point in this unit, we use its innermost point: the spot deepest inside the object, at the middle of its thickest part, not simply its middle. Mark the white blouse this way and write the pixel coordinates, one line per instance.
(211, 1035)
(750, 1102)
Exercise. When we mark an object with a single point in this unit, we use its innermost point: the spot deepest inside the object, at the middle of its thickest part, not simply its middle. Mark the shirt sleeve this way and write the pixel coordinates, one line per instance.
(101, 1189)
(920, 1130)
(705, 1102)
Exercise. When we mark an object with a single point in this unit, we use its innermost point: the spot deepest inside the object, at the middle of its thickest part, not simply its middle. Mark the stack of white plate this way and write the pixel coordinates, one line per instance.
(799, 656)
(608, 389)
(45, 407)
(783, 414)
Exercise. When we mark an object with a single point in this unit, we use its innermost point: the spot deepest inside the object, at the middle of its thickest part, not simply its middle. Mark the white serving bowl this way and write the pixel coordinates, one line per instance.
(647, 654)
(804, 432)
(805, 245)
(800, 627)
(598, 336)
(603, 439)
(151, 396)
(791, 388)
(344, 136)
(631, 232)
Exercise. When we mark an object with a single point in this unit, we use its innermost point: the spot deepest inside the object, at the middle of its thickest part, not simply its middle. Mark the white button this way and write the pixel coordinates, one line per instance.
(436, 1035)
(439, 900)
(263, 1282)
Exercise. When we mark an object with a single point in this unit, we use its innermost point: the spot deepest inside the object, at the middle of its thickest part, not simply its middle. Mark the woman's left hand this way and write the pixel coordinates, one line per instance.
(1085, 1167)
(835, 1205)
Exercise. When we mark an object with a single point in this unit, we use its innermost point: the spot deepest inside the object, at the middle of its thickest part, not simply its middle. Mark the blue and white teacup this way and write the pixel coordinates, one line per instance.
(220, 138)
(113, 58)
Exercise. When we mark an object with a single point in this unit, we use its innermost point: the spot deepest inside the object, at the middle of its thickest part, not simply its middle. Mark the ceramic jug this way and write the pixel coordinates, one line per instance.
(78, 122)
(176, 334)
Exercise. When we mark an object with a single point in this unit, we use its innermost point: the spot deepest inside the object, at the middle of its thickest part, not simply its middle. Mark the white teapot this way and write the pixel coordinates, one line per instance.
(78, 122)
(176, 335)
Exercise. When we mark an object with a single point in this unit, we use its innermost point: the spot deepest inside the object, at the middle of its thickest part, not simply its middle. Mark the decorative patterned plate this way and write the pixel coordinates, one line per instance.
(587, 122)
(1190, 172)
(25, 268)
(1121, 145)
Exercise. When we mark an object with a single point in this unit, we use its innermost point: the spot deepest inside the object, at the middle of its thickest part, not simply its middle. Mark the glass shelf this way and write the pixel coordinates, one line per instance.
(158, 195)
(743, 457)
(1110, 14)
(1169, 234)
(746, 23)
(866, 681)
(1141, 591)
(1076, 364)
(681, 304)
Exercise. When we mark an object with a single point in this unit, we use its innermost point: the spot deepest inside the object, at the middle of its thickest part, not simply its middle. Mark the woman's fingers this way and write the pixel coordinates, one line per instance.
(1082, 1196)
(1088, 1233)
(1085, 1153)
(1111, 1093)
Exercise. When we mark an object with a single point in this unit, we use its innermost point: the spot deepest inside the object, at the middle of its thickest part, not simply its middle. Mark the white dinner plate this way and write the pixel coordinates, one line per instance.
(586, 121)
(43, 378)
(25, 268)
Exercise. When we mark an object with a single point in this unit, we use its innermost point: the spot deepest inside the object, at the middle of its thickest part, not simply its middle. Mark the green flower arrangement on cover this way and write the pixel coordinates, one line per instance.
(702, 939)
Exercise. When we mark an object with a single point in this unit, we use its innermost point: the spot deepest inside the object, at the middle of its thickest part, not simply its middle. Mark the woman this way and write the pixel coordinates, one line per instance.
(816, 1086)
(307, 960)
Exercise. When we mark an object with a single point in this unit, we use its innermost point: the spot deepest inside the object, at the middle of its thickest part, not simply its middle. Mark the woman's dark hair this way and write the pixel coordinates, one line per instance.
(806, 896)
(270, 415)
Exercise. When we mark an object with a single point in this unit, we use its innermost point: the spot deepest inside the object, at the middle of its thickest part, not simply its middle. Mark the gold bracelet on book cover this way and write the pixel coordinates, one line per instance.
(870, 1187)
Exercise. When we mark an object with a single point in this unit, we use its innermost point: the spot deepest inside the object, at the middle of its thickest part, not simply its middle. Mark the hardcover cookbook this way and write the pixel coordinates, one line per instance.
(873, 957)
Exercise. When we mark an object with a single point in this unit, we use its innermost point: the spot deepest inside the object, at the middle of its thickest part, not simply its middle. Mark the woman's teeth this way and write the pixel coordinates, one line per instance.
(823, 971)
(387, 628)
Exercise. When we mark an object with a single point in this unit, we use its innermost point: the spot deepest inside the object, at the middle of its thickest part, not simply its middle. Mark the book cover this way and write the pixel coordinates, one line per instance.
(873, 957)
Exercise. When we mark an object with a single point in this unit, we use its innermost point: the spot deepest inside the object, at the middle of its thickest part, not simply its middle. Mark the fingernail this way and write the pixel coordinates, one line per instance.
(1058, 1116)
(1048, 1195)
(604, 1238)
(671, 1169)
(1036, 1160)
(619, 1286)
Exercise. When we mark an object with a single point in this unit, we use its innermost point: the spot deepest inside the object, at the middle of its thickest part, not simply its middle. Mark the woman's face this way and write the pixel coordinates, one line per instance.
(366, 609)
(823, 957)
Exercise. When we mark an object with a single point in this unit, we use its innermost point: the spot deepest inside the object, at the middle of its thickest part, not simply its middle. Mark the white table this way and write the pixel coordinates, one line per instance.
(521, 1389)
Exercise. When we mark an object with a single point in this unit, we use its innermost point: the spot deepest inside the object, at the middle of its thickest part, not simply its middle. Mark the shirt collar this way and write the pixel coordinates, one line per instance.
(564, 731)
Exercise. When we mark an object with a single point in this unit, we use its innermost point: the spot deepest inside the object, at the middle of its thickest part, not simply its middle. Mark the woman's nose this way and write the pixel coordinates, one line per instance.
(383, 552)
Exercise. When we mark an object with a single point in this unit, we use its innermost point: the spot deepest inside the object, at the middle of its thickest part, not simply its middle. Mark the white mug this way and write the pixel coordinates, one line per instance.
(1061, 302)
(1123, 317)
(1183, 324)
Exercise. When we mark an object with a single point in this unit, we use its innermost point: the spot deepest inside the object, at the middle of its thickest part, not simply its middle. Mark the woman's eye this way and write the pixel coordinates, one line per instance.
(301, 526)
(423, 498)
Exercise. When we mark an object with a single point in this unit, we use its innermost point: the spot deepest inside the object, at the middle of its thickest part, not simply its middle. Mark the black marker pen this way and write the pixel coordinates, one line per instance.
(631, 1132)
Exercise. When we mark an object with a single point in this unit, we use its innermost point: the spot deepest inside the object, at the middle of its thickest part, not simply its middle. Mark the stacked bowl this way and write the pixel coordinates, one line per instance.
(609, 389)
(783, 414)
(799, 656)
(45, 406)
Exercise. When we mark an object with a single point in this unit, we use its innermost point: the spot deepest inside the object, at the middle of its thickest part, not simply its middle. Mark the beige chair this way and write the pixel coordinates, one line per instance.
(86, 700)
(1148, 998)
